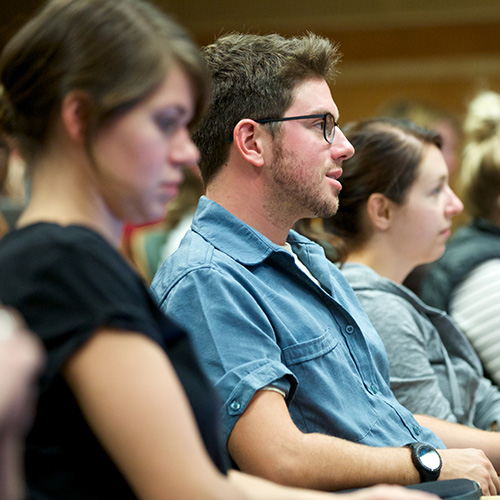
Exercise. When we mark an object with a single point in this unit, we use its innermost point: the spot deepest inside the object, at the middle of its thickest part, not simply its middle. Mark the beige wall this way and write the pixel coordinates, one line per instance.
(440, 51)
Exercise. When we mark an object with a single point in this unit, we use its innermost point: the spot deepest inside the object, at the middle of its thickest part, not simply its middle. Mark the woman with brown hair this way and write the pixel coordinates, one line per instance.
(465, 282)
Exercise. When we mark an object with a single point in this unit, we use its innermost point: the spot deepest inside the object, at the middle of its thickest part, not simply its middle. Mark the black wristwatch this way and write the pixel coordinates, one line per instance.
(427, 461)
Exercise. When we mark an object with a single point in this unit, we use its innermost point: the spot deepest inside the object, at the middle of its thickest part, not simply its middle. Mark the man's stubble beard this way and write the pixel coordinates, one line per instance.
(294, 194)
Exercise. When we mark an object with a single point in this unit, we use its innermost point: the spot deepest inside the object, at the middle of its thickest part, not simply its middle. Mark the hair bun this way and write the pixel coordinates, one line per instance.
(483, 117)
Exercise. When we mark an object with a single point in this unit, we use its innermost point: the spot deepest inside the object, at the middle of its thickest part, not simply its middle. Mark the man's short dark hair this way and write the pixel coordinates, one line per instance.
(254, 76)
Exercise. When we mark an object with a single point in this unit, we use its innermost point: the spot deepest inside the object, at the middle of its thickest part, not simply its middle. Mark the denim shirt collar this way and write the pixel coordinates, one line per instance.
(235, 238)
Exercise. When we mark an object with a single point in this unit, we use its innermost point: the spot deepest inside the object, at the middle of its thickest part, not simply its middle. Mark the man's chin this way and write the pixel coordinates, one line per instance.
(328, 211)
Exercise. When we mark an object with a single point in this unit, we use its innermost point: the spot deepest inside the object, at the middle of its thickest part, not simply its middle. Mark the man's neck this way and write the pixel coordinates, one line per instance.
(247, 205)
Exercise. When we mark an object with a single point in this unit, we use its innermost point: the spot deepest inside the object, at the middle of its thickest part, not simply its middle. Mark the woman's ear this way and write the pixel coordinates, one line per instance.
(249, 138)
(75, 113)
(379, 210)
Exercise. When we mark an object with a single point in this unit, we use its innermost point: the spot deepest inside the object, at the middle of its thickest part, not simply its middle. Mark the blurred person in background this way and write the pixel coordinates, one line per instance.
(14, 185)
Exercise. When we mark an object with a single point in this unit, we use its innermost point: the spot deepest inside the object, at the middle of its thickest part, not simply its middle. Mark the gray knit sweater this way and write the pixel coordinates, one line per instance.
(434, 369)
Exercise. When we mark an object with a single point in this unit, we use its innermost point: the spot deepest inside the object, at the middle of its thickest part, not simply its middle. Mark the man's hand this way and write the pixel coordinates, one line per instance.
(472, 464)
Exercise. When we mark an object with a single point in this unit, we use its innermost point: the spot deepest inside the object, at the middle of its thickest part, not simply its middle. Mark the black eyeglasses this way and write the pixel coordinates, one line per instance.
(329, 123)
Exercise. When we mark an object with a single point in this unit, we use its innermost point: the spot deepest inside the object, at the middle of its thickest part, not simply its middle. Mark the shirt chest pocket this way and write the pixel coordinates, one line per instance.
(309, 350)
(331, 397)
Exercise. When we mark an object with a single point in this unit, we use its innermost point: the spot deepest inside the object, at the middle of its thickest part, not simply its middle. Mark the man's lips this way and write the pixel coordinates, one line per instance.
(333, 176)
(334, 173)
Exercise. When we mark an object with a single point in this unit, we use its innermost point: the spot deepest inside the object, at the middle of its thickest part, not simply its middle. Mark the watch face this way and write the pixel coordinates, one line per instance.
(429, 457)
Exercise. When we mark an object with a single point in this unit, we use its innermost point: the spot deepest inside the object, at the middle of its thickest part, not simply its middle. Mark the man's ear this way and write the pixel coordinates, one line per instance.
(379, 210)
(249, 139)
(75, 113)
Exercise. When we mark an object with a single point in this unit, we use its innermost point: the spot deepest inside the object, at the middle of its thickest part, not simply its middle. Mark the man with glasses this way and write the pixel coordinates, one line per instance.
(302, 373)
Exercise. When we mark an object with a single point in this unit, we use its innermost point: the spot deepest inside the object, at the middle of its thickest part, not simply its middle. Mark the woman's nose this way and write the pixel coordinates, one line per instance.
(184, 151)
(455, 205)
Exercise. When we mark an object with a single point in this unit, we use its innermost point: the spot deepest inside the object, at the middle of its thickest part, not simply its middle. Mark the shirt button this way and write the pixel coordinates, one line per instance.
(235, 406)
(374, 388)
(349, 329)
(416, 430)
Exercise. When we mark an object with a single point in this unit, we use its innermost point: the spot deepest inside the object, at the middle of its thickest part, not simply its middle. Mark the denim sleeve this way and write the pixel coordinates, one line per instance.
(232, 336)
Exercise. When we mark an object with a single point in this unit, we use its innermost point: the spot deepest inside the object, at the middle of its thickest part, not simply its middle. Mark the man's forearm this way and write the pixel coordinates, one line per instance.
(265, 442)
(330, 463)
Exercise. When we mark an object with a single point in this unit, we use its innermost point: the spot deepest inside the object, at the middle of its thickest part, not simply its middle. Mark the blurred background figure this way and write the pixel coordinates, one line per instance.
(466, 280)
(14, 185)
(20, 361)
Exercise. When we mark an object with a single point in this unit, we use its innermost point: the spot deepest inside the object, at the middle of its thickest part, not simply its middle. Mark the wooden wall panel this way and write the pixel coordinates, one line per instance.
(439, 51)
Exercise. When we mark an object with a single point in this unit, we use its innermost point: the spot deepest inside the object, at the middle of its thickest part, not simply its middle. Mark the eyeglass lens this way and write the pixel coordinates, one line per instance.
(329, 127)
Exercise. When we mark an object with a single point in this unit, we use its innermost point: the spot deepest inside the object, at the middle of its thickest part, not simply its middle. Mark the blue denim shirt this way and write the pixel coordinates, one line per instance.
(256, 320)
